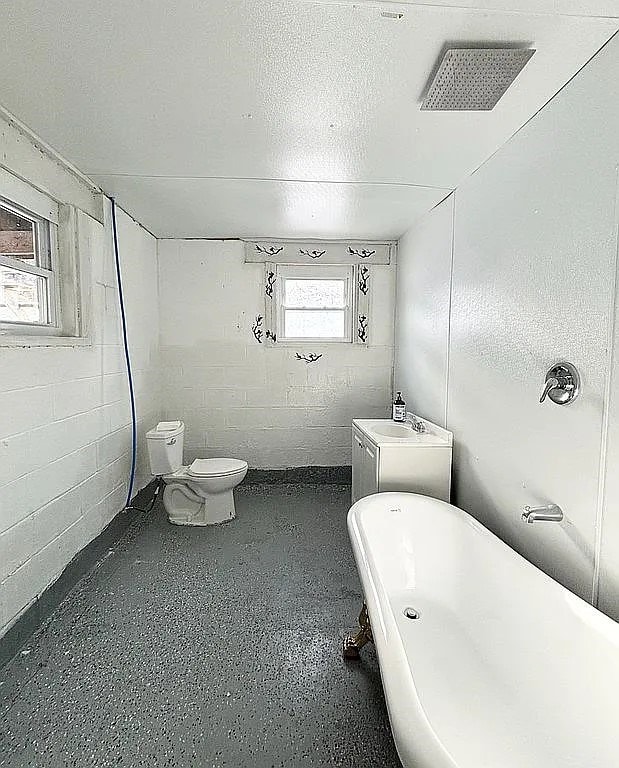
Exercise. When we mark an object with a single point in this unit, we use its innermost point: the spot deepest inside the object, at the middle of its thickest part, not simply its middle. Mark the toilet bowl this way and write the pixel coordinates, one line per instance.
(199, 494)
(202, 493)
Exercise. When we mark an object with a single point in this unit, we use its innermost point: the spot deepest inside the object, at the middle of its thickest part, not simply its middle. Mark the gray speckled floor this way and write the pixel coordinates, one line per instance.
(206, 647)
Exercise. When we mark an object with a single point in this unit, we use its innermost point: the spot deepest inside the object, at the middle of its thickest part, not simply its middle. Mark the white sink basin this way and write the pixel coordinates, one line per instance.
(394, 430)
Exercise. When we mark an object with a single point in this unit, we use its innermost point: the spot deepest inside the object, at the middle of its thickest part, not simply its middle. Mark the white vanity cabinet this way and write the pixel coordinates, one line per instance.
(364, 466)
(391, 457)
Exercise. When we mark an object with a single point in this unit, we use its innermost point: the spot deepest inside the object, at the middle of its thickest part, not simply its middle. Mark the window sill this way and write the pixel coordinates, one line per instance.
(7, 340)
(308, 342)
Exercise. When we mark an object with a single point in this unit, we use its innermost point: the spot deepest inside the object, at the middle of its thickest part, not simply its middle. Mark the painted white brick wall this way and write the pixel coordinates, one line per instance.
(244, 399)
(65, 435)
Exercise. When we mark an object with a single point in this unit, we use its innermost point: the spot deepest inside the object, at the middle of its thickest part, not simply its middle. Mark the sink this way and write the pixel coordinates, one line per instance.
(394, 430)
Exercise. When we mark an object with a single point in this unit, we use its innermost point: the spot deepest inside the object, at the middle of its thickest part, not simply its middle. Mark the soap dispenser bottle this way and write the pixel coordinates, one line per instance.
(399, 409)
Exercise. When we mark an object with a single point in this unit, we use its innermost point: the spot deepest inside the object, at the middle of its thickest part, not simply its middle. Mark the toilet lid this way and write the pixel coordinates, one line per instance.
(216, 467)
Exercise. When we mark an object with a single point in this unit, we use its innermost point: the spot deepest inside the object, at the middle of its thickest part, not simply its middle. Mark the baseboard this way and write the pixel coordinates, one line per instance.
(300, 475)
(47, 602)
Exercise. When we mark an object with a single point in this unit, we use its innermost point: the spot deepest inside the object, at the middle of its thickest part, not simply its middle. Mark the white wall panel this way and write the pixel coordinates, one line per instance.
(535, 251)
(422, 321)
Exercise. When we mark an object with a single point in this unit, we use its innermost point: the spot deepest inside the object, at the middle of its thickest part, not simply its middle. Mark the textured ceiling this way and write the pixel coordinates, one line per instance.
(204, 119)
(290, 209)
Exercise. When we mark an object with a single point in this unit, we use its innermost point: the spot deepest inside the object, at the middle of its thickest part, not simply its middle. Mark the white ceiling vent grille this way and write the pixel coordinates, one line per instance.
(474, 78)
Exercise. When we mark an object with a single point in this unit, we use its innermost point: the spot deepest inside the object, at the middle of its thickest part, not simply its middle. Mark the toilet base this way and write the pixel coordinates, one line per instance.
(185, 507)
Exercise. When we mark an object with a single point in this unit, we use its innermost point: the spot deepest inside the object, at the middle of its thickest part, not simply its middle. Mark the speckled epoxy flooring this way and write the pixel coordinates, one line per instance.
(206, 647)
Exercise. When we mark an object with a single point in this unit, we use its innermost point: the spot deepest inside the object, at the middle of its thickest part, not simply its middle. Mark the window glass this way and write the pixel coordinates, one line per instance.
(315, 293)
(17, 236)
(329, 324)
(23, 297)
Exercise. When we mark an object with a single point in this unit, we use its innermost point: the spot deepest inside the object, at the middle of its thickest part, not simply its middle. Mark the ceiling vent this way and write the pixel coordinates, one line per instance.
(474, 78)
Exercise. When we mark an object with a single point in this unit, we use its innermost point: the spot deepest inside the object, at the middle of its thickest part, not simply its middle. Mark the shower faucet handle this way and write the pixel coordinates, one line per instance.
(551, 383)
(562, 384)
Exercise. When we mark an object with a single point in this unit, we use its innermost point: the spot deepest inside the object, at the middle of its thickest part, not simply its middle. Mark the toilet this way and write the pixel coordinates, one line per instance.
(201, 493)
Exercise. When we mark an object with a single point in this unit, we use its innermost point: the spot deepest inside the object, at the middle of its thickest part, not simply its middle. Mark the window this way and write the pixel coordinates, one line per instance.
(28, 294)
(314, 303)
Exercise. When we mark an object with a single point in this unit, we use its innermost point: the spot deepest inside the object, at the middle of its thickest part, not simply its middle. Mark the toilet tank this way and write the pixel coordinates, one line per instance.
(165, 447)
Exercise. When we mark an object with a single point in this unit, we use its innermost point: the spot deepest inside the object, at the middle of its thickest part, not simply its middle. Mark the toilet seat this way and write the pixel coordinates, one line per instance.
(216, 467)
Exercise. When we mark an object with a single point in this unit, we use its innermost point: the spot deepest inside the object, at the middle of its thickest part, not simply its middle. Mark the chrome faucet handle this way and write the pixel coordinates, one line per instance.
(562, 384)
(551, 513)
(417, 424)
(551, 383)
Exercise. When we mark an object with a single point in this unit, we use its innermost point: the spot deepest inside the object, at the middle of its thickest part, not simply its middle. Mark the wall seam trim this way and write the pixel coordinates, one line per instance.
(449, 308)
(608, 387)
(396, 265)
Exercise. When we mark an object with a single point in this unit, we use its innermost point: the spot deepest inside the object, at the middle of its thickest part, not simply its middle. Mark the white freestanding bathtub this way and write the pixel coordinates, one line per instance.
(504, 668)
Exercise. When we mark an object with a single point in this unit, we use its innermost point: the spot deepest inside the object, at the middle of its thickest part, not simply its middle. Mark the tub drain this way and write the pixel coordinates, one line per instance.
(411, 613)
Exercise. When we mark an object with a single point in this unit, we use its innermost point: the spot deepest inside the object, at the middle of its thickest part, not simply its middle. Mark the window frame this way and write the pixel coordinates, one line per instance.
(316, 272)
(45, 234)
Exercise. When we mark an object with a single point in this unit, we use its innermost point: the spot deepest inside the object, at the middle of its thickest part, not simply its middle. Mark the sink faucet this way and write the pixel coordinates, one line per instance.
(416, 424)
(550, 513)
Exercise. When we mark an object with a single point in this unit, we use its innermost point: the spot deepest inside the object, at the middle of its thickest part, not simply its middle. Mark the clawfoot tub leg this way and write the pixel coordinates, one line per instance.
(354, 643)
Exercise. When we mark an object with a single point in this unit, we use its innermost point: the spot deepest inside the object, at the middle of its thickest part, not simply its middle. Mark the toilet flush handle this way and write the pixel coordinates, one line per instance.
(172, 441)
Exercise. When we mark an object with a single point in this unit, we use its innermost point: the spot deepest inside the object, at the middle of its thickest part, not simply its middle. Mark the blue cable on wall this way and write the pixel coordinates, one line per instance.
(123, 318)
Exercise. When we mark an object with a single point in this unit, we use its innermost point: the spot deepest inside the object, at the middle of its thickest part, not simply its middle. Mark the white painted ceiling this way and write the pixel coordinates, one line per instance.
(276, 118)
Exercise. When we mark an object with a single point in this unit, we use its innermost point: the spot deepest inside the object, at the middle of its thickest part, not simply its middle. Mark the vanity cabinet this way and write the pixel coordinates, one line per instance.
(364, 466)
(417, 463)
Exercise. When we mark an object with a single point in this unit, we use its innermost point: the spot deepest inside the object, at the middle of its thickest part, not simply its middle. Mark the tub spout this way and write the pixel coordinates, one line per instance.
(549, 513)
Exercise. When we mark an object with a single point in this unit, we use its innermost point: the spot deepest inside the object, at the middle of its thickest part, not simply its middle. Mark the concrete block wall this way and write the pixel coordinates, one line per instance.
(65, 421)
(65, 435)
(242, 399)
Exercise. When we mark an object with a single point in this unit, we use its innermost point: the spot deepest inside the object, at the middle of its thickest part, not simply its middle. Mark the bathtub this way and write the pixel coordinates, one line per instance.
(503, 668)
